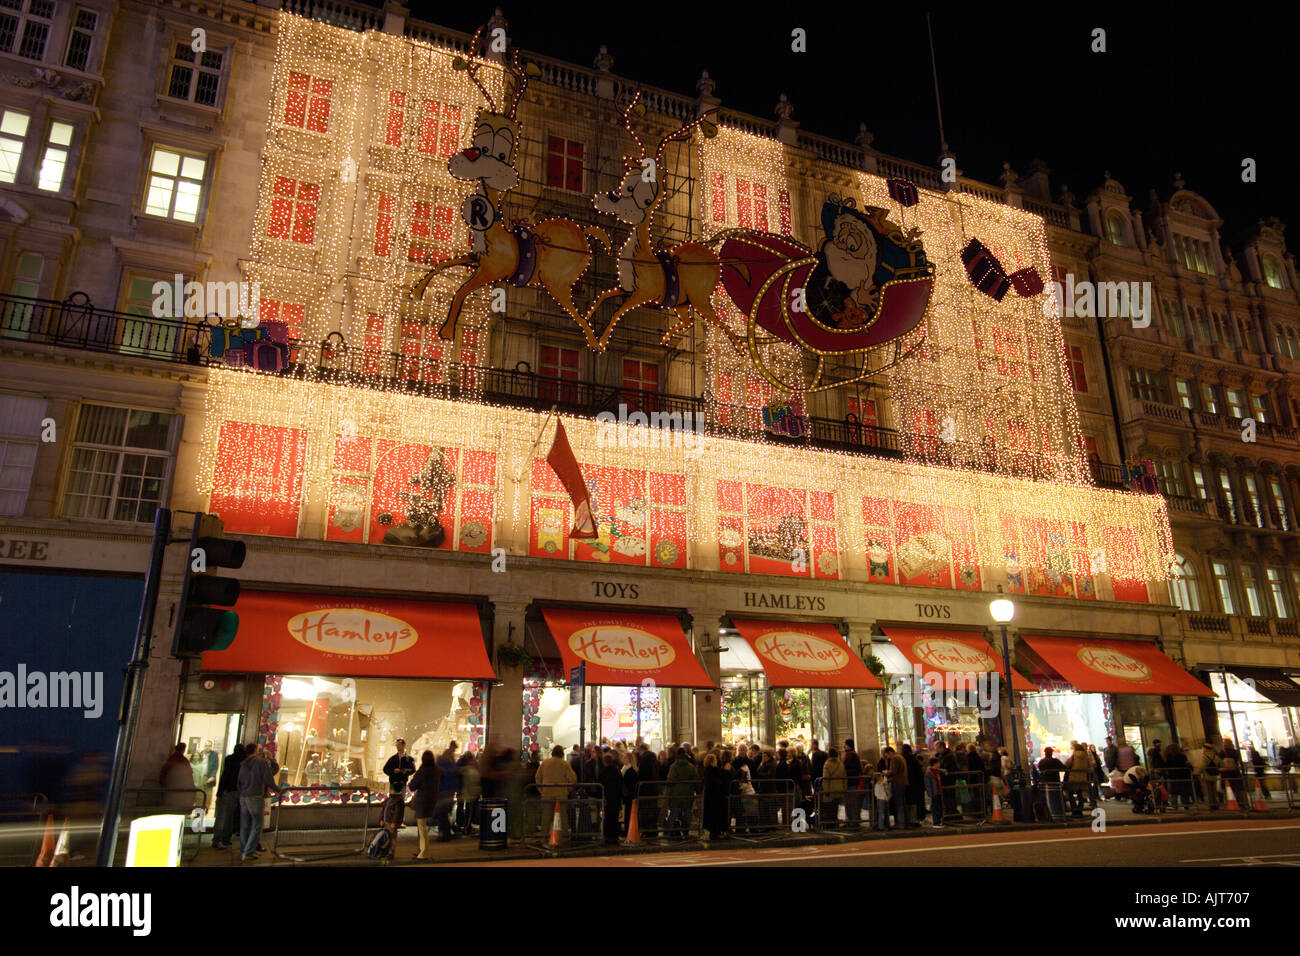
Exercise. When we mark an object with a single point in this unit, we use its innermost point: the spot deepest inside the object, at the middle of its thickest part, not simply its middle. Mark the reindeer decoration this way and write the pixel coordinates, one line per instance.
(552, 254)
(674, 279)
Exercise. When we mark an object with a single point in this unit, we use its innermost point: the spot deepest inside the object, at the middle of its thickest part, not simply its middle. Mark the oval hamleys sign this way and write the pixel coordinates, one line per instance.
(621, 647)
(801, 651)
(948, 655)
(1114, 663)
(352, 631)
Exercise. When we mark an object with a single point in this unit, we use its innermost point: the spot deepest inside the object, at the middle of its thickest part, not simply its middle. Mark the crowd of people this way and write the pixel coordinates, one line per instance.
(745, 787)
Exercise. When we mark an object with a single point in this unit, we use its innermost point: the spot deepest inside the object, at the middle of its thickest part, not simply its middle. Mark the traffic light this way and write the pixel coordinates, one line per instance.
(204, 621)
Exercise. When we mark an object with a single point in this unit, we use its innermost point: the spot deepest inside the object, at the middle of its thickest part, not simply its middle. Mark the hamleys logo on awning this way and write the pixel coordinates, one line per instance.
(801, 652)
(352, 631)
(621, 647)
(1113, 663)
(948, 655)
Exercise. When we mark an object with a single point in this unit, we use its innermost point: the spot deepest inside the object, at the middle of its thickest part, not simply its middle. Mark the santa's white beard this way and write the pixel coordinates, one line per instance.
(844, 267)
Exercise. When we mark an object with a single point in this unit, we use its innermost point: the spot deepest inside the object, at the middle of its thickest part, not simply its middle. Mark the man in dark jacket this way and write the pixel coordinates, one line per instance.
(817, 758)
(399, 768)
(647, 771)
(611, 778)
(853, 774)
(1049, 769)
(1110, 756)
(228, 800)
(682, 783)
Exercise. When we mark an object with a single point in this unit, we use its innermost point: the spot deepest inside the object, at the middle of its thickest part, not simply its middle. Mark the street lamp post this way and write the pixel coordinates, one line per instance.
(1003, 610)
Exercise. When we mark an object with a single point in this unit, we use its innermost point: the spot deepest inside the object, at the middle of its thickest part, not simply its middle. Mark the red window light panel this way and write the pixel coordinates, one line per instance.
(744, 206)
(760, 206)
(293, 210)
(783, 206)
(1078, 372)
(307, 103)
(718, 196)
(396, 118)
(638, 379)
(373, 342)
(558, 363)
(564, 164)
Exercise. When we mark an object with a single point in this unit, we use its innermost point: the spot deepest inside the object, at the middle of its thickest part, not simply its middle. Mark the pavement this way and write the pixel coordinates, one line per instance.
(465, 850)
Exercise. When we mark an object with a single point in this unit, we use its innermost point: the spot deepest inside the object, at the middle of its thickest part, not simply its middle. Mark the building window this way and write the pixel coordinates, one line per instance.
(1186, 594)
(1223, 584)
(148, 334)
(1236, 403)
(1250, 588)
(119, 464)
(557, 363)
(1256, 514)
(1078, 372)
(1198, 478)
(439, 133)
(639, 378)
(1147, 386)
(429, 222)
(55, 160)
(175, 184)
(1260, 406)
(563, 164)
(384, 226)
(1209, 401)
(80, 39)
(293, 211)
(1116, 230)
(1174, 320)
(20, 426)
(1172, 480)
(1246, 330)
(307, 104)
(195, 76)
(1277, 590)
(1201, 325)
(1185, 393)
(421, 352)
(25, 27)
(1273, 274)
(1279, 513)
(1225, 493)
(13, 132)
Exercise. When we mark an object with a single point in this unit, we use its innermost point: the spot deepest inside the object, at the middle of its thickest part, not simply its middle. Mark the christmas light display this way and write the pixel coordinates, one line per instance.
(979, 383)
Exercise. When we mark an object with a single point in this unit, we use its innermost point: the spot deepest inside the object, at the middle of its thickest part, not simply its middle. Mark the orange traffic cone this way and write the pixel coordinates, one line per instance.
(633, 825)
(1259, 797)
(555, 826)
(47, 845)
(1232, 797)
(997, 809)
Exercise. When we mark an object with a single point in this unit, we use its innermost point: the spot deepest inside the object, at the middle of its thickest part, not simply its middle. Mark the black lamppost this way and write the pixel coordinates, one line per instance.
(1003, 610)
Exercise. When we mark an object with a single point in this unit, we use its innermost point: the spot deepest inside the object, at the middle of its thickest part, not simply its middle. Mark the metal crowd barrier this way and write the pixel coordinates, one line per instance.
(965, 798)
(765, 813)
(22, 819)
(580, 815)
(313, 821)
(190, 802)
(849, 803)
(665, 814)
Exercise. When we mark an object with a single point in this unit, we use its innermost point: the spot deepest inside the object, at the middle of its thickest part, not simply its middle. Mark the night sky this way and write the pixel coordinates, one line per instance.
(1176, 91)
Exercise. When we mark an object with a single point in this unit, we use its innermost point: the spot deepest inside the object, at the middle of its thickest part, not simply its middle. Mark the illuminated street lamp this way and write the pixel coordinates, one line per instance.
(1003, 610)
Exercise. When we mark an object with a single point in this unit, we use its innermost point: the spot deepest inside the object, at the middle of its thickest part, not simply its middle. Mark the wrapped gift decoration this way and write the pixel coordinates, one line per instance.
(1026, 282)
(985, 272)
(902, 191)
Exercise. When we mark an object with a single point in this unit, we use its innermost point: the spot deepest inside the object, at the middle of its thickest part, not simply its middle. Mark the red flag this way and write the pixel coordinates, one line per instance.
(565, 466)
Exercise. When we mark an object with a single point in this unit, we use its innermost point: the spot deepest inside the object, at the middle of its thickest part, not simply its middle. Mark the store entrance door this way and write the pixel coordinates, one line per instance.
(208, 739)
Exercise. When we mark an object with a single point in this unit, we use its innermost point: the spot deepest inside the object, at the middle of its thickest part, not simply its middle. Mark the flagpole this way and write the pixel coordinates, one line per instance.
(536, 441)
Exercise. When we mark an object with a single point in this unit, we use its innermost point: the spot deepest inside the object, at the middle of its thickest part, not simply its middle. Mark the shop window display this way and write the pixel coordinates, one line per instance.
(334, 732)
(1057, 716)
(613, 713)
(1251, 719)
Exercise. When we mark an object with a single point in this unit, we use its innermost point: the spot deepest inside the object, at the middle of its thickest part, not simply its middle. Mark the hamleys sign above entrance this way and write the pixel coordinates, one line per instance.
(625, 648)
(796, 654)
(1107, 666)
(282, 632)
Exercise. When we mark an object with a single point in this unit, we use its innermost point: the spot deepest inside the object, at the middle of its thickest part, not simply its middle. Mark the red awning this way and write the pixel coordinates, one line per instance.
(1094, 665)
(951, 652)
(282, 632)
(796, 654)
(626, 648)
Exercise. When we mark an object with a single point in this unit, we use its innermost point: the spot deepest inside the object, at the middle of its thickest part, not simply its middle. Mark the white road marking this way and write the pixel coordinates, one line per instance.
(1117, 835)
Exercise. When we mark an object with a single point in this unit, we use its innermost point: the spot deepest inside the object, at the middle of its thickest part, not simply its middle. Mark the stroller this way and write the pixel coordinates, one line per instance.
(1138, 784)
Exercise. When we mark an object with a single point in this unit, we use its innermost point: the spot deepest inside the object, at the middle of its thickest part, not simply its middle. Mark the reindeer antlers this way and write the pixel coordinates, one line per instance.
(472, 68)
(685, 130)
(627, 122)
